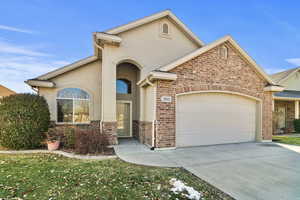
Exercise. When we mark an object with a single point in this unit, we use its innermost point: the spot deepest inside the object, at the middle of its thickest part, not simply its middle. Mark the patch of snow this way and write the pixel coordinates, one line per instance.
(179, 187)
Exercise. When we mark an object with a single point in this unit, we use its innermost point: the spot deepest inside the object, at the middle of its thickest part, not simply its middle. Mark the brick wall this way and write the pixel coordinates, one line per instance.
(210, 72)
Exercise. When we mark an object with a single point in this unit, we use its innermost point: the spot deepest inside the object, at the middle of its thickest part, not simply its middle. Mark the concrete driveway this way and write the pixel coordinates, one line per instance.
(244, 171)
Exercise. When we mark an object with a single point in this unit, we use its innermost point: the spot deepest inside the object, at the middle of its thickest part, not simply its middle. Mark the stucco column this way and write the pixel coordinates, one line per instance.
(108, 86)
(296, 109)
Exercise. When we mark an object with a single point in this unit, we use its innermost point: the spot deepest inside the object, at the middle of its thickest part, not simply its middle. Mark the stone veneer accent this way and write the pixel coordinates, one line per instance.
(290, 116)
(210, 72)
(142, 130)
(108, 128)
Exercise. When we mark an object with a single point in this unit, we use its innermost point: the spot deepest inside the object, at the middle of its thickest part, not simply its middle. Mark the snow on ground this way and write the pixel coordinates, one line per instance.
(180, 187)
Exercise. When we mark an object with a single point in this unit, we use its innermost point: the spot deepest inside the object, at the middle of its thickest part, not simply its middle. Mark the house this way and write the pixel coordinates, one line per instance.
(286, 103)
(4, 91)
(153, 79)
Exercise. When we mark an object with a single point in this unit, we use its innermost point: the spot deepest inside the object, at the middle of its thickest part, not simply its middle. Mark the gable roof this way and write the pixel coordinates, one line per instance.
(66, 68)
(151, 18)
(281, 76)
(212, 45)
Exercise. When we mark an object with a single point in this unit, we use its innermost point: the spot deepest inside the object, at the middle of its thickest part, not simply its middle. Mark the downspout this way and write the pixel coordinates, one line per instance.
(102, 113)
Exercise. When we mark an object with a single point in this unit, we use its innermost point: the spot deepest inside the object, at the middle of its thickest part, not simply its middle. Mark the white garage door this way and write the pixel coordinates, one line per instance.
(214, 118)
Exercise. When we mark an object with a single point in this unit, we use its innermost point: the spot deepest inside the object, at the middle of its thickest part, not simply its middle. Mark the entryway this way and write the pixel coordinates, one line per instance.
(127, 97)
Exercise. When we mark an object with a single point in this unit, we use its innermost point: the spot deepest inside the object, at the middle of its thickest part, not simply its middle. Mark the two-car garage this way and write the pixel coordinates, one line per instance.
(207, 118)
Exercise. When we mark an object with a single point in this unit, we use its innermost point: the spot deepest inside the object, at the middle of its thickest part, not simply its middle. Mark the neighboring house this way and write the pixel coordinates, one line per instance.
(286, 103)
(4, 91)
(155, 80)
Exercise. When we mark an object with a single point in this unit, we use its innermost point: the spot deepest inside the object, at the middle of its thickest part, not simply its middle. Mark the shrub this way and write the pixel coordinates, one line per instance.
(24, 118)
(89, 141)
(297, 125)
(69, 137)
(53, 135)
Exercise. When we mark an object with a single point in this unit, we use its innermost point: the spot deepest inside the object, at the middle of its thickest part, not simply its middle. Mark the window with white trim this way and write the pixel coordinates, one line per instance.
(73, 106)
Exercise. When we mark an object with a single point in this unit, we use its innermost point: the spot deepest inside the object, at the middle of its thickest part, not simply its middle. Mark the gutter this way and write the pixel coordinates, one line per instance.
(40, 83)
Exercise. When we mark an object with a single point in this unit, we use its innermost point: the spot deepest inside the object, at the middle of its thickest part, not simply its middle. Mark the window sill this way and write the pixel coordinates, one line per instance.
(164, 35)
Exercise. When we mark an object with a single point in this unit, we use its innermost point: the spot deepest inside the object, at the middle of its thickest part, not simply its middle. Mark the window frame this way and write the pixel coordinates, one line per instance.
(73, 107)
(223, 49)
(168, 29)
(161, 30)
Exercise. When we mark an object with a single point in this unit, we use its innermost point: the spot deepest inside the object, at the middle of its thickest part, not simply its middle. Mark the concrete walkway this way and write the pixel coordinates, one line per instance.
(63, 153)
(244, 171)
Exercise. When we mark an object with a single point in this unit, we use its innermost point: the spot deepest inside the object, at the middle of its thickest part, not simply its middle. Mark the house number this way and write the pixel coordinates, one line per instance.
(166, 99)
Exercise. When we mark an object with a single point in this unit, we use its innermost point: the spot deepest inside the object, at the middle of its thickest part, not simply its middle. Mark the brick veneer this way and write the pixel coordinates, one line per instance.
(210, 72)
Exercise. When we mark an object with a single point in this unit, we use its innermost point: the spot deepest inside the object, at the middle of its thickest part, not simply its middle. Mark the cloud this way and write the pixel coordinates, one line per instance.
(10, 28)
(294, 61)
(274, 70)
(10, 48)
(15, 69)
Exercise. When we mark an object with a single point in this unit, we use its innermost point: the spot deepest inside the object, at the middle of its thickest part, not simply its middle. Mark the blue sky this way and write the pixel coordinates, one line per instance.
(37, 36)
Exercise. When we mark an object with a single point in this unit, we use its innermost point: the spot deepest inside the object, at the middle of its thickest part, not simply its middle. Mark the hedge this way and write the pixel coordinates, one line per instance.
(24, 118)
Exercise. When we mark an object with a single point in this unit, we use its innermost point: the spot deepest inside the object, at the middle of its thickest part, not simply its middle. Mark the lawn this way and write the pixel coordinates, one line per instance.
(49, 176)
(287, 140)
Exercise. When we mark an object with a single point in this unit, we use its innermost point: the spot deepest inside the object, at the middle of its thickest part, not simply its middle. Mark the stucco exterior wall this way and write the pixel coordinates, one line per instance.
(292, 83)
(149, 49)
(149, 104)
(210, 72)
(88, 78)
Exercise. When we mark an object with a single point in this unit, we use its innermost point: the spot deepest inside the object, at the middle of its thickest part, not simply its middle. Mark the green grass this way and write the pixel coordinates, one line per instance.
(47, 176)
(287, 140)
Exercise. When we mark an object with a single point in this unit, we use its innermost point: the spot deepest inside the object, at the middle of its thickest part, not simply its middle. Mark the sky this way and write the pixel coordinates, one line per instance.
(37, 36)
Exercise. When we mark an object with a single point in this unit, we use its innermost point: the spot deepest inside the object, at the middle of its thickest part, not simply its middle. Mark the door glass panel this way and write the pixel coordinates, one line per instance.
(281, 117)
(123, 119)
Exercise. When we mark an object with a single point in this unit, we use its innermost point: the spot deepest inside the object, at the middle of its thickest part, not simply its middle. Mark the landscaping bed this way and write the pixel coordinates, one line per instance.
(48, 176)
(287, 140)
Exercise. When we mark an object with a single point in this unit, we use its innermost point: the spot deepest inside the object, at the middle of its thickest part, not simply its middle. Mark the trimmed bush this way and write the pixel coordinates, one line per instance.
(24, 119)
(89, 141)
(297, 125)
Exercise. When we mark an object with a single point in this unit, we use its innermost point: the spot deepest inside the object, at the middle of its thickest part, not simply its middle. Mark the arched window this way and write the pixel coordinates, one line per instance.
(165, 28)
(123, 86)
(73, 105)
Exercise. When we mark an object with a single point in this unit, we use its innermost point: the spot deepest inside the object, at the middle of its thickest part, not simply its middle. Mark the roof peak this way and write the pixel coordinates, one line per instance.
(150, 18)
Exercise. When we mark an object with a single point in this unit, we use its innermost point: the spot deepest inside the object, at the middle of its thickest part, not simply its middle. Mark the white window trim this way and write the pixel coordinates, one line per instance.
(73, 123)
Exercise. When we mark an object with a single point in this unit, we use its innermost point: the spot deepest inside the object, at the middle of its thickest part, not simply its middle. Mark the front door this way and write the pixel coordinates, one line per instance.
(124, 118)
(280, 115)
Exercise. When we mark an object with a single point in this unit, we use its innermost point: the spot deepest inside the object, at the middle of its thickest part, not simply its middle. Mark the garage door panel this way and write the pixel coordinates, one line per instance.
(204, 119)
